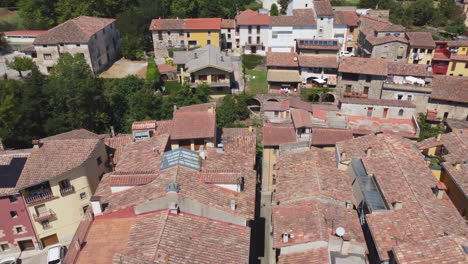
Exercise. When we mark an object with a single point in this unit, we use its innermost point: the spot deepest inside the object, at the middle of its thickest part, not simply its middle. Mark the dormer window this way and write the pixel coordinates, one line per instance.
(141, 135)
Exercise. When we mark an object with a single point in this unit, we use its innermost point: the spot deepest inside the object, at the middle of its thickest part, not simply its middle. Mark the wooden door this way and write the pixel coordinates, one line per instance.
(49, 240)
(369, 111)
(385, 112)
(26, 245)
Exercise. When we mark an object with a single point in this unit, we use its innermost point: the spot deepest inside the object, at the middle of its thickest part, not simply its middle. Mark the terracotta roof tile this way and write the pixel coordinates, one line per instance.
(189, 24)
(221, 177)
(77, 30)
(364, 65)
(301, 118)
(193, 125)
(459, 57)
(299, 104)
(167, 24)
(317, 61)
(316, 256)
(457, 43)
(250, 17)
(29, 33)
(197, 107)
(276, 106)
(349, 18)
(115, 145)
(408, 69)
(285, 59)
(228, 23)
(329, 136)
(165, 68)
(275, 135)
(301, 17)
(450, 88)
(323, 8)
(373, 40)
(54, 157)
(421, 39)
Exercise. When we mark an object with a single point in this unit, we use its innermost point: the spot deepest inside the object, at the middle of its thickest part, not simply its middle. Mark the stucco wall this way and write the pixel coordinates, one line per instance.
(361, 110)
(458, 111)
(375, 85)
(244, 38)
(460, 68)
(418, 98)
(393, 51)
(8, 224)
(427, 58)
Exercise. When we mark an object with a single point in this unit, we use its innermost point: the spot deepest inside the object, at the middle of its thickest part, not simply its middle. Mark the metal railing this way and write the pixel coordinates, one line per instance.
(44, 196)
(44, 216)
(67, 190)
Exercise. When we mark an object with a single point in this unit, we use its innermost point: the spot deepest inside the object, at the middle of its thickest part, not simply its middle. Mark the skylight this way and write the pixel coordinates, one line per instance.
(368, 187)
(181, 156)
(318, 42)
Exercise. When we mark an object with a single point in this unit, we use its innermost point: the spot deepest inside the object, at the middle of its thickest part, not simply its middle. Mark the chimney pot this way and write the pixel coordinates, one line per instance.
(250, 129)
(112, 131)
(36, 143)
(285, 238)
(96, 205)
(349, 205)
(439, 136)
(175, 107)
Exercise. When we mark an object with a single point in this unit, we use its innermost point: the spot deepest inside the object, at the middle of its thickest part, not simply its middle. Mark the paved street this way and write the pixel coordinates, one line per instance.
(36, 259)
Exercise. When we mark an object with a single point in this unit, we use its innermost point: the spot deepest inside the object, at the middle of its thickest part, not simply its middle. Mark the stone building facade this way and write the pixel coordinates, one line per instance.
(97, 39)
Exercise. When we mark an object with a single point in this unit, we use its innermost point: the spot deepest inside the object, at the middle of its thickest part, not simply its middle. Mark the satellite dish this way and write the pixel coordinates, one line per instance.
(340, 231)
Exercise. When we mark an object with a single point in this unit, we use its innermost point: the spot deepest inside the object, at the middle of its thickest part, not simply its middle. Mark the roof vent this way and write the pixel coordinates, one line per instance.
(397, 205)
(440, 188)
(172, 187)
(349, 205)
(220, 148)
(233, 205)
(174, 208)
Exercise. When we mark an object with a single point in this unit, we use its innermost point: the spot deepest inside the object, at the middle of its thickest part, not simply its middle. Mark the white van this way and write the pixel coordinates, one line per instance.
(55, 254)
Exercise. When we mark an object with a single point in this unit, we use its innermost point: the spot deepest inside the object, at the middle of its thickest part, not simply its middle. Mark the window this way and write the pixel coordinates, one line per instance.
(82, 195)
(188, 34)
(203, 77)
(348, 89)
(49, 69)
(64, 184)
(399, 57)
(221, 77)
(249, 40)
(61, 44)
(396, 34)
(99, 161)
(410, 97)
(258, 29)
(209, 33)
(85, 208)
(45, 46)
(274, 34)
(368, 78)
(47, 56)
(366, 90)
(454, 65)
(229, 30)
(208, 42)
(422, 50)
(321, 18)
(182, 43)
(19, 230)
(429, 51)
(45, 224)
(400, 96)
(4, 247)
(400, 113)
(466, 65)
(13, 198)
(13, 214)
(387, 34)
(351, 29)
(350, 77)
(160, 37)
(168, 33)
(276, 113)
(169, 43)
(258, 40)
(250, 29)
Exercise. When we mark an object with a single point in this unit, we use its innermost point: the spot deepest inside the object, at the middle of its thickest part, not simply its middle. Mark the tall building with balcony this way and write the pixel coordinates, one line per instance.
(97, 39)
(60, 176)
(16, 230)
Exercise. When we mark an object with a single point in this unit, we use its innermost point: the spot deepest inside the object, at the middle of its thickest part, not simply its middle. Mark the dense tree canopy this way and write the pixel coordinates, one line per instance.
(20, 64)
(233, 109)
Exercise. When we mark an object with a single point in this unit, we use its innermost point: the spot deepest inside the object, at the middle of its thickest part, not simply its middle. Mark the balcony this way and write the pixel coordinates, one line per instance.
(39, 197)
(67, 190)
(44, 216)
(356, 95)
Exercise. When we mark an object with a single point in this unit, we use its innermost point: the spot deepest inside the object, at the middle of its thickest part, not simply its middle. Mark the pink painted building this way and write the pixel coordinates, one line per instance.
(16, 230)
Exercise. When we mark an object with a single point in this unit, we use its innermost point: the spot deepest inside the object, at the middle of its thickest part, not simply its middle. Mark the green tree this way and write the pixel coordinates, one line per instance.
(274, 10)
(20, 64)
(284, 6)
(38, 14)
(153, 77)
(233, 108)
(422, 12)
(75, 97)
(426, 129)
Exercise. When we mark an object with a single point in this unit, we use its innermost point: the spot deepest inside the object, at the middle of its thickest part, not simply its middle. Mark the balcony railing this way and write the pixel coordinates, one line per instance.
(67, 190)
(42, 197)
(44, 216)
(356, 95)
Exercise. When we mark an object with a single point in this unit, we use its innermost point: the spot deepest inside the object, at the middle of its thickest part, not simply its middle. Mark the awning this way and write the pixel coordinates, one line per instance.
(290, 76)
(318, 80)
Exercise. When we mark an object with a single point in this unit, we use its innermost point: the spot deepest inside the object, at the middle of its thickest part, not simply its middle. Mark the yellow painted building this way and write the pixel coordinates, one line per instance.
(458, 65)
(63, 175)
(421, 56)
(422, 47)
(201, 38)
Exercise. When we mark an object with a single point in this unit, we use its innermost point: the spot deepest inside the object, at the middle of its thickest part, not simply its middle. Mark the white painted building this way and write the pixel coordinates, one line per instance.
(253, 32)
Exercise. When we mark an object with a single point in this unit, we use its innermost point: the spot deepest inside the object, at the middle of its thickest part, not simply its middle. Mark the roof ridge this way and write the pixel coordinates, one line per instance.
(166, 217)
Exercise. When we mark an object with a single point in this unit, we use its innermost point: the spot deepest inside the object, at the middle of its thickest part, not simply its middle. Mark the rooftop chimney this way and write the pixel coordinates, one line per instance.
(440, 188)
(457, 166)
(112, 131)
(211, 109)
(349, 205)
(343, 155)
(439, 136)
(251, 129)
(174, 208)
(96, 205)
(36, 143)
(175, 107)
(397, 205)
(295, 59)
(195, 55)
(233, 205)
(369, 151)
(172, 187)
(202, 152)
(285, 238)
(1, 145)
(345, 244)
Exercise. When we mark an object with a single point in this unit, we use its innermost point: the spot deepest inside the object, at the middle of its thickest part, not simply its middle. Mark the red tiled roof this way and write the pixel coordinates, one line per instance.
(329, 136)
(457, 43)
(323, 8)
(197, 107)
(408, 69)
(301, 17)
(349, 18)
(144, 125)
(285, 59)
(421, 39)
(450, 88)
(193, 125)
(364, 66)
(385, 39)
(221, 177)
(77, 30)
(54, 157)
(299, 104)
(276, 106)
(27, 33)
(228, 23)
(250, 17)
(203, 23)
(318, 61)
(390, 28)
(403, 176)
(189, 23)
(369, 125)
(445, 249)
(115, 145)
(386, 102)
(131, 180)
(315, 256)
(459, 57)
(301, 118)
(275, 135)
(165, 68)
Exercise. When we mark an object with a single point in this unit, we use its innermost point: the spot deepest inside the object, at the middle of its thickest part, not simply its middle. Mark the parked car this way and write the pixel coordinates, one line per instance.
(55, 254)
(9, 260)
(346, 53)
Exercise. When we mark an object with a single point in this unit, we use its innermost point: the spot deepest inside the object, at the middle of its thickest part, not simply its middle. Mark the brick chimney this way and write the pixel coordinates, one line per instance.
(36, 143)
(440, 189)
